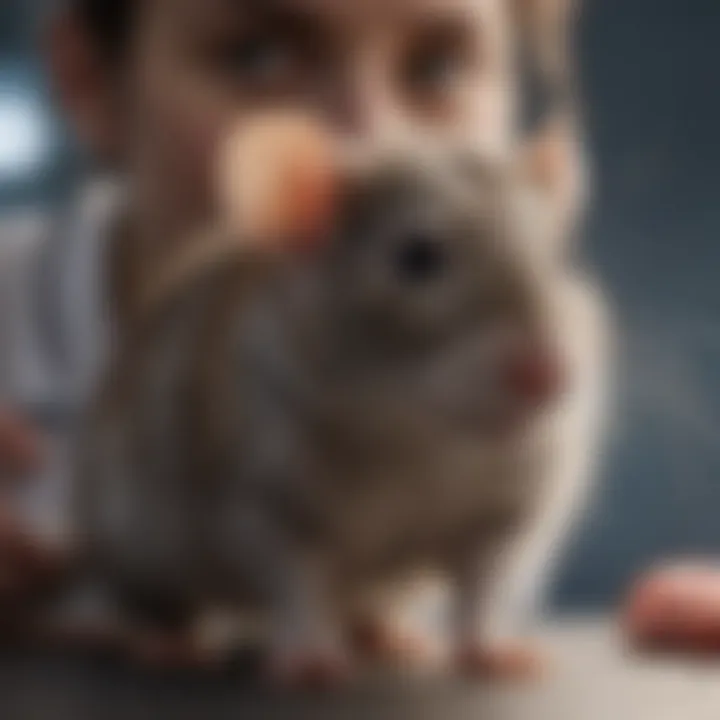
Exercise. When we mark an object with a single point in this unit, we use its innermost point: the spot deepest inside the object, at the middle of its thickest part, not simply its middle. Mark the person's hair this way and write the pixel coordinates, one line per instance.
(108, 21)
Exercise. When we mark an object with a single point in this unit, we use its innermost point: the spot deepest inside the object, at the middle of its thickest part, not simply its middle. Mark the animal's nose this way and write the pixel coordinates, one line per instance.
(535, 376)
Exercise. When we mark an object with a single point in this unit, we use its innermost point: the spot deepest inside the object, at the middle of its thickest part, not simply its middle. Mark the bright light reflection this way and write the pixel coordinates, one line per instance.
(25, 135)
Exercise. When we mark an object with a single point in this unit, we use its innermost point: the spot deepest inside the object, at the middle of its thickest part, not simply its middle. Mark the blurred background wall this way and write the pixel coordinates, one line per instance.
(36, 158)
(650, 71)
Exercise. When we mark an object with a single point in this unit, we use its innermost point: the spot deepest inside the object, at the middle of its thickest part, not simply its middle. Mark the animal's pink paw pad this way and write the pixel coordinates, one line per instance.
(161, 652)
(513, 663)
(379, 642)
(312, 671)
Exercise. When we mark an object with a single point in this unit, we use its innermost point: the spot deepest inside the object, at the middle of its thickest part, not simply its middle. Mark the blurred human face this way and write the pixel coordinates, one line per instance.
(371, 67)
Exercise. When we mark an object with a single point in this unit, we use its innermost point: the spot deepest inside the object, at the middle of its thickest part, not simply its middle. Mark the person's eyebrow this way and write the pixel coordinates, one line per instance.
(303, 23)
(270, 10)
(460, 11)
(449, 30)
(443, 25)
(288, 16)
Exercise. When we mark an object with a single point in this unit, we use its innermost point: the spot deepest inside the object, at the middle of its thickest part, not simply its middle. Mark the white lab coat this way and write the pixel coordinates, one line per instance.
(53, 331)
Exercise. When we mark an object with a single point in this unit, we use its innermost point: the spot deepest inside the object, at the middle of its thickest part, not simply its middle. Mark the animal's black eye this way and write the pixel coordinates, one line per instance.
(420, 258)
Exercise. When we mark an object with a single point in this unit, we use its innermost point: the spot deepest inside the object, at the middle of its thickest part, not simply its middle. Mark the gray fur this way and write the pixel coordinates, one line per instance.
(341, 435)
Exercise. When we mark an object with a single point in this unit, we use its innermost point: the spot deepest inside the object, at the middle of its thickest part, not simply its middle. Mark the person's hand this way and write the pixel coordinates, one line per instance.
(20, 446)
(26, 565)
(676, 609)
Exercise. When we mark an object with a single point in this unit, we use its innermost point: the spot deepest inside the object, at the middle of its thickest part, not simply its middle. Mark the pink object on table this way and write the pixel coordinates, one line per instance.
(676, 608)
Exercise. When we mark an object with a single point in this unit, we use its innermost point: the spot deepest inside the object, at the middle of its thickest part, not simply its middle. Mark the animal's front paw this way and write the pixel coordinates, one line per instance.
(166, 651)
(501, 662)
(309, 669)
(29, 569)
(377, 641)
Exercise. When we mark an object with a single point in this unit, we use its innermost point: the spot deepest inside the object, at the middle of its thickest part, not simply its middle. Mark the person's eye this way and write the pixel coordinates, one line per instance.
(436, 67)
(433, 71)
(263, 62)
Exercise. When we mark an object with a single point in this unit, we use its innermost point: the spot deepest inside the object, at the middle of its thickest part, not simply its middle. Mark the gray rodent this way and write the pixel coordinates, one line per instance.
(298, 436)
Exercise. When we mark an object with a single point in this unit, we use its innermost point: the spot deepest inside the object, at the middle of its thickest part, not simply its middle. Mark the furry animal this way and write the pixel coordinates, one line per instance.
(300, 436)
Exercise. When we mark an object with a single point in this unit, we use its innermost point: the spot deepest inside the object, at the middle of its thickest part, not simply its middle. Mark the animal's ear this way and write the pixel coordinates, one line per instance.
(278, 181)
(553, 163)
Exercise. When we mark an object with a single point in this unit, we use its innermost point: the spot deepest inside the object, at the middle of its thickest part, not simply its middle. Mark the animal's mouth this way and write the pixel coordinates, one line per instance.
(513, 422)
(499, 411)
(491, 390)
(496, 424)
(518, 393)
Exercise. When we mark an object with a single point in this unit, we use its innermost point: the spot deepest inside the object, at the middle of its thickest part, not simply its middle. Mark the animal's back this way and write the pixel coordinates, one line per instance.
(155, 440)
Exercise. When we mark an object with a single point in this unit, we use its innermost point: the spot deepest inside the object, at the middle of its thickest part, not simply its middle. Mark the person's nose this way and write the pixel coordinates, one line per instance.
(358, 102)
